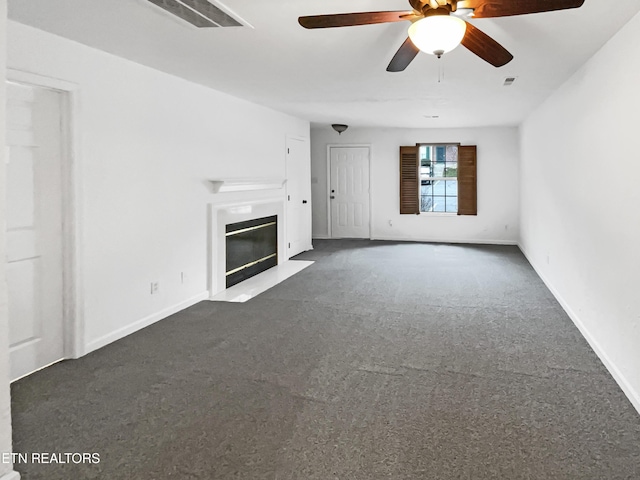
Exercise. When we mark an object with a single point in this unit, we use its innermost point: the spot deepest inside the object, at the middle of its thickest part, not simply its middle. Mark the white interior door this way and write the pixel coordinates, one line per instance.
(34, 228)
(298, 196)
(349, 192)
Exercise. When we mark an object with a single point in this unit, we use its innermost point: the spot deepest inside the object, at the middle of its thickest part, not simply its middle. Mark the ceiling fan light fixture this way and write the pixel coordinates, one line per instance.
(437, 34)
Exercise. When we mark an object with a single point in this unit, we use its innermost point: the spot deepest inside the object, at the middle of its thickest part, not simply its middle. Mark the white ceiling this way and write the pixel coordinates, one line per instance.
(338, 75)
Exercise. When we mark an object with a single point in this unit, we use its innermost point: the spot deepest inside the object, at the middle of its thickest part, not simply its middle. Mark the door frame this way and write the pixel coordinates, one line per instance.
(306, 141)
(72, 301)
(347, 145)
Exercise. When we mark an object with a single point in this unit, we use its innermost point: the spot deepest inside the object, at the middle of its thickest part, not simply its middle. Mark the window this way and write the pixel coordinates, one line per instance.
(438, 178)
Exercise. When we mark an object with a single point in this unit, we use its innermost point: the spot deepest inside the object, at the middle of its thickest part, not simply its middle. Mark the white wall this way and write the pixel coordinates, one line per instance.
(148, 143)
(498, 166)
(580, 201)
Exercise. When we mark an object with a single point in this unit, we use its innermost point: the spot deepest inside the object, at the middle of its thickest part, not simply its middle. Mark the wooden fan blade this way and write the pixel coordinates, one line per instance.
(403, 57)
(351, 19)
(485, 47)
(507, 8)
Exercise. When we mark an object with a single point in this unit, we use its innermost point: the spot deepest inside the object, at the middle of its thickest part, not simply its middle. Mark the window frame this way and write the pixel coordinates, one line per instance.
(432, 178)
(467, 177)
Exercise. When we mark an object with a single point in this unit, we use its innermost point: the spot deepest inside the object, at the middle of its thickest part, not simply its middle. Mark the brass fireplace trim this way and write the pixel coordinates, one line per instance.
(248, 229)
(251, 264)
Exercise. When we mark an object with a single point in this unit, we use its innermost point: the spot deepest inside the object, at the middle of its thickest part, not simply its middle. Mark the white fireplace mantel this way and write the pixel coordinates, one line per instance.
(246, 184)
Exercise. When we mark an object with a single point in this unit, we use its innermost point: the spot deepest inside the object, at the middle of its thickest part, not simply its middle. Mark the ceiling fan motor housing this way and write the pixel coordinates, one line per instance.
(430, 7)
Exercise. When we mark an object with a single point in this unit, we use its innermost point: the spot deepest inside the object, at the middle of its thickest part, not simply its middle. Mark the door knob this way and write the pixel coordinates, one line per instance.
(304, 201)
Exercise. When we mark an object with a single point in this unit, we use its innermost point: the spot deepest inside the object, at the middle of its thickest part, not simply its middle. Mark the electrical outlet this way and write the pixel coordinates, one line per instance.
(154, 287)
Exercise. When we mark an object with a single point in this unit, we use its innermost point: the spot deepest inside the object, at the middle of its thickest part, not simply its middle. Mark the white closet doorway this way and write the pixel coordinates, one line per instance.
(34, 227)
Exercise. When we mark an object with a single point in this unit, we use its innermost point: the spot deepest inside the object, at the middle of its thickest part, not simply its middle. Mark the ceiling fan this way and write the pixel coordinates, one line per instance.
(437, 26)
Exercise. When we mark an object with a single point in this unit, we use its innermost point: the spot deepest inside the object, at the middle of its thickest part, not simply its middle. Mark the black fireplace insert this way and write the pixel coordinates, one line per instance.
(252, 248)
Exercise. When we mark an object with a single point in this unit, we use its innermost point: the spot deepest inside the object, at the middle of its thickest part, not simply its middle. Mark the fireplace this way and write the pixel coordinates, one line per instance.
(251, 248)
(230, 217)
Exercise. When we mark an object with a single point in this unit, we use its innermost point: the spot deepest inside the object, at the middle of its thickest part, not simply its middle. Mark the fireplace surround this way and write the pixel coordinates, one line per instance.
(224, 214)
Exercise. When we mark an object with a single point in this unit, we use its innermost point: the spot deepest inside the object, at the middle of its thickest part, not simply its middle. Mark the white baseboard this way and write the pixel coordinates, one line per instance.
(12, 475)
(616, 373)
(321, 237)
(144, 322)
(470, 241)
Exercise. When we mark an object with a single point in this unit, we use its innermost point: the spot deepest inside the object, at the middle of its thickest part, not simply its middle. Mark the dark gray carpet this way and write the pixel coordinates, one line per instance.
(380, 361)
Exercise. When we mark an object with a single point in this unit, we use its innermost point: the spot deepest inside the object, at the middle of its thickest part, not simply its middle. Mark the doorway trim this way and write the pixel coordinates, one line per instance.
(73, 311)
(347, 145)
(307, 142)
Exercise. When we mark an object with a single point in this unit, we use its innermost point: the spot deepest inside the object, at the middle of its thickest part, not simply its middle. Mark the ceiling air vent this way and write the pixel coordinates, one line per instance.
(509, 81)
(200, 13)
